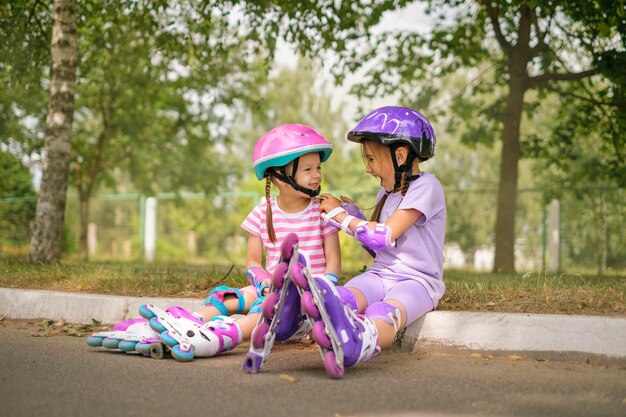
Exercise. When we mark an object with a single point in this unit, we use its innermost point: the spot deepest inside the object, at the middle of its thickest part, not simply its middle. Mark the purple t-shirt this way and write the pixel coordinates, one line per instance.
(418, 253)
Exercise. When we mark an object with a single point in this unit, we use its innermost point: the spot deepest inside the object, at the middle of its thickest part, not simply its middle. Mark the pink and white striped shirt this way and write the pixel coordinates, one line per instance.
(307, 224)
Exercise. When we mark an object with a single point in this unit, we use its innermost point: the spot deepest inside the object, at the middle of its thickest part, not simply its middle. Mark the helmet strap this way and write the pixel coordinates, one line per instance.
(281, 174)
(402, 169)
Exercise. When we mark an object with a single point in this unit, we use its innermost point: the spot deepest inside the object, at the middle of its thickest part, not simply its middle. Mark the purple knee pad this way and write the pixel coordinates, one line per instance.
(348, 298)
(386, 312)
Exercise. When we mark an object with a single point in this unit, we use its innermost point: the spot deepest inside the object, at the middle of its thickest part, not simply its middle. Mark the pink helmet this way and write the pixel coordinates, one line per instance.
(285, 143)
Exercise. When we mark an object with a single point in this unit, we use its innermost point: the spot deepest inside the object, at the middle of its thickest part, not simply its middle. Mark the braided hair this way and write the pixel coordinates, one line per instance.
(268, 211)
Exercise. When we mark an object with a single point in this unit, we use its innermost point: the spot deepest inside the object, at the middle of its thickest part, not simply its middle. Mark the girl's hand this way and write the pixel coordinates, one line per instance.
(328, 202)
(346, 199)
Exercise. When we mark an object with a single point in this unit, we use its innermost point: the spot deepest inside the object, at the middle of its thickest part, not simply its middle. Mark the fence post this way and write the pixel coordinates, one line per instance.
(149, 237)
(92, 238)
(553, 238)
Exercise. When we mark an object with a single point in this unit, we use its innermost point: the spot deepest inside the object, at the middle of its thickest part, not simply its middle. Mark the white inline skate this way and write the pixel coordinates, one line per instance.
(133, 335)
(187, 336)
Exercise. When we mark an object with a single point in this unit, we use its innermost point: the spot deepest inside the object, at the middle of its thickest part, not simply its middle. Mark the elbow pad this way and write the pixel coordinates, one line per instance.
(377, 238)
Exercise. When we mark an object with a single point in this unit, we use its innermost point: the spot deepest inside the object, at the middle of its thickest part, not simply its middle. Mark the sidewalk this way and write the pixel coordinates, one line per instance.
(478, 331)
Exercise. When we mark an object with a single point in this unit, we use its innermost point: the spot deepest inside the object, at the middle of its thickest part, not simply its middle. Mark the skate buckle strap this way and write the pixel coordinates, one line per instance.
(328, 218)
(345, 224)
(331, 214)
(332, 278)
(371, 349)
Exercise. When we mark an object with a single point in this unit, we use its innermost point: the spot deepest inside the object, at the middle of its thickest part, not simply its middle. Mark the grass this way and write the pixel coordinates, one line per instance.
(468, 291)
(535, 293)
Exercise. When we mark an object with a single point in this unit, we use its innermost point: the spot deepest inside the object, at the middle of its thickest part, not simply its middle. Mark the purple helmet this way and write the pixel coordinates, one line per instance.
(394, 124)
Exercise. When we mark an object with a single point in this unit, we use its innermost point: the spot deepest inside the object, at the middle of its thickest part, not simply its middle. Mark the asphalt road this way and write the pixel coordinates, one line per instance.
(62, 376)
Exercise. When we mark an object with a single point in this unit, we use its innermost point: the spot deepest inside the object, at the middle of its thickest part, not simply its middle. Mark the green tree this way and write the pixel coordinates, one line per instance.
(17, 207)
(580, 167)
(150, 93)
(45, 244)
(157, 87)
(24, 60)
(529, 45)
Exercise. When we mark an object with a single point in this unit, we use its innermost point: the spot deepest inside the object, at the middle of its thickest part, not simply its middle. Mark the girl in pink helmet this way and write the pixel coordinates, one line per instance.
(289, 157)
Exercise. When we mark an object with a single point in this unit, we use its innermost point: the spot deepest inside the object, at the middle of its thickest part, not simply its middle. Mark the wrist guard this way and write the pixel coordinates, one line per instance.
(258, 276)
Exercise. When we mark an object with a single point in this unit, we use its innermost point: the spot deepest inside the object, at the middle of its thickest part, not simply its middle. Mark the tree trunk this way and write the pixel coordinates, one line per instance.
(507, 189)
(518, 58)
(46, 240)
(83, 250)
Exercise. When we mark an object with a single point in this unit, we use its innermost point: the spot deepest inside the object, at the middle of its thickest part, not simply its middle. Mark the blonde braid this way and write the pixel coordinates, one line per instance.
(268, 211)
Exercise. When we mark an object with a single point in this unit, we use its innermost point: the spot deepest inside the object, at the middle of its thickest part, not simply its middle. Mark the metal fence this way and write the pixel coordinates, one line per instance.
(193, 228)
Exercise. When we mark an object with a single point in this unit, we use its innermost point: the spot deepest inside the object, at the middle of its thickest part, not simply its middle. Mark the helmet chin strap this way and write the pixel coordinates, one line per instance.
(400, 169)
(281, 174)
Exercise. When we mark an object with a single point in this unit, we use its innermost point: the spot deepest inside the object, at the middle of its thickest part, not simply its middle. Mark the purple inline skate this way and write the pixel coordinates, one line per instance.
(281, 314)
(127, 336)
(343, 336)
(187, 336)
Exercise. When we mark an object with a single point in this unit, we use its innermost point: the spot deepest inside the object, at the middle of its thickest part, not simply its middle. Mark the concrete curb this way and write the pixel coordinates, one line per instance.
(522, 332)
(480, 331)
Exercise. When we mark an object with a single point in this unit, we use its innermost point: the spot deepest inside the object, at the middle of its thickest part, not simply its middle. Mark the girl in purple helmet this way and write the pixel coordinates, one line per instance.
(289, 157)
(406, 233)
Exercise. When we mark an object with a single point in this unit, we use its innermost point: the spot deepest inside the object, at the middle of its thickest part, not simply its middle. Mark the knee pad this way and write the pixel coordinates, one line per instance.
(386, 312)
(257, 305)
(217, 295)
(348, 298)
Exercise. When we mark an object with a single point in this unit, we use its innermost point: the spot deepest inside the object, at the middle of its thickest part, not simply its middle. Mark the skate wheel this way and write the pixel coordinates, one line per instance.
(269, 304)
(145, 313)
(143, 348)
(95, 341)
(319, 335)
(308, 305)
(286, 248)
(330, 365)
(110, 343)
(258, 335)
(157, 350)
(296, 272)
(182, 355)
(156, 326)
(127, 346)
(168, 340)
(278, 277)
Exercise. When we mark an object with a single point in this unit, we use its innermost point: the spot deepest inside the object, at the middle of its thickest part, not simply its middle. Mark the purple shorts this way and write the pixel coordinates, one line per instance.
(408, 292)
